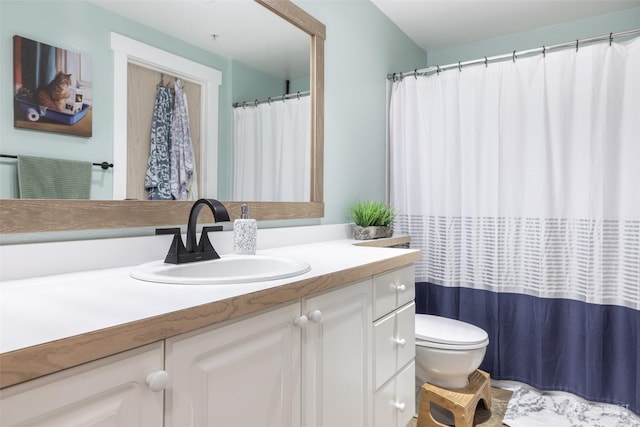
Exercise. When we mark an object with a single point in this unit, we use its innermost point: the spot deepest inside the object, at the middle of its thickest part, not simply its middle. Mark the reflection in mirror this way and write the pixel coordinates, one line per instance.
(33, 216)
(259, 54)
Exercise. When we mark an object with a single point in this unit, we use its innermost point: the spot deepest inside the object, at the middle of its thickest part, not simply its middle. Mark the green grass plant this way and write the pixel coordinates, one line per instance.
(372, 213)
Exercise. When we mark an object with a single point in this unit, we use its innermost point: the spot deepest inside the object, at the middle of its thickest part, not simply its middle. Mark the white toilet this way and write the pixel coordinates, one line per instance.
(447, 350)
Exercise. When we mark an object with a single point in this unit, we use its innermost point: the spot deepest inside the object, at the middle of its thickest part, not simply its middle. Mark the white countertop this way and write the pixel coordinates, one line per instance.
(43, 309)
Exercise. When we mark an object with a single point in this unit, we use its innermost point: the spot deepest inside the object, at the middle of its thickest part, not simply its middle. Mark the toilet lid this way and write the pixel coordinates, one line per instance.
(448, 331)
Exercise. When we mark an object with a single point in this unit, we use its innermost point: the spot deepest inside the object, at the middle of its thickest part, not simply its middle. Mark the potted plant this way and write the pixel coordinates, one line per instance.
(372, 219)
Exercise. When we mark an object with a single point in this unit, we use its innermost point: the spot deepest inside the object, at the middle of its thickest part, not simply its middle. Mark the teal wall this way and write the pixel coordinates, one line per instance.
(362, 47)
(625, 20)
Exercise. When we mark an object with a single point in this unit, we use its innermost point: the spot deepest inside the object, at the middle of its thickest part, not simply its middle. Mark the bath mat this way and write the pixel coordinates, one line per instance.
(532, 408)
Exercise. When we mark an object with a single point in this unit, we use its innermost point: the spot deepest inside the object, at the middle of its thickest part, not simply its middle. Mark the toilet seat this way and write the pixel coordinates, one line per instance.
(448, 334)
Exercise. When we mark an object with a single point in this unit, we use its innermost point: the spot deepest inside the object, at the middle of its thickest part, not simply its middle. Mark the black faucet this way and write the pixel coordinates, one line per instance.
(178, 253)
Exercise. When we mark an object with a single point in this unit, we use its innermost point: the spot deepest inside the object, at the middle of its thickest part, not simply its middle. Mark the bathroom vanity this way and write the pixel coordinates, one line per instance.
(333, 346)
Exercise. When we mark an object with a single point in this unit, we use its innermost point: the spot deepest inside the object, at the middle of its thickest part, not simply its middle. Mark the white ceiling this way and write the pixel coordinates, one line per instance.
(439, 24)
(245, 30)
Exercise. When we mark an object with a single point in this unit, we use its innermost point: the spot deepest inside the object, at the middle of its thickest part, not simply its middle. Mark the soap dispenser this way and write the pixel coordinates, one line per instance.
(245, 231)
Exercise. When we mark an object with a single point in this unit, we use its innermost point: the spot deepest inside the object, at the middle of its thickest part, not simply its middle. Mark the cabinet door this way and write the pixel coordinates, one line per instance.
(108, 392)
(246, 373)
(337, 347)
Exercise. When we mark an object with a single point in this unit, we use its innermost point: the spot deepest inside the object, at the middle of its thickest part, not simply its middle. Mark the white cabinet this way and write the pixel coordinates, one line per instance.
(342, 358)
(337, 358)
(394, 349)
(306, 363)
(108, 392)
(246, 373)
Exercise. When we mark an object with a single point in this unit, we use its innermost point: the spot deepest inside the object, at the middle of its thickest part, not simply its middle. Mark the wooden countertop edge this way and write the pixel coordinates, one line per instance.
(385, 243)
(32, 362)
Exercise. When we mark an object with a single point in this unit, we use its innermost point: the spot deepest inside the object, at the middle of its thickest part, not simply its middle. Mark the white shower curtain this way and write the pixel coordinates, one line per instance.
(271, 149)
(520, 182)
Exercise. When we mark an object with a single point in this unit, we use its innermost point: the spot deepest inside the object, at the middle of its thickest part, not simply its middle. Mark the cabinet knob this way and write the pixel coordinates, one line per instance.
(399, 406)
(301, 321)
(399, 288)
(157, 380)
(401, 342)
(315, 316)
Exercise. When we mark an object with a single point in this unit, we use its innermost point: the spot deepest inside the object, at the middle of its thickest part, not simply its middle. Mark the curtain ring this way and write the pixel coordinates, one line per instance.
(486, 62)
(544, 51)
(298, 95)
(255, 103)
(437, 69)
(514, 56)
(244, 104)
(269, 100)
(459, 67)
(610, 38)
(577, 45)
(283, 95)
(415, 74)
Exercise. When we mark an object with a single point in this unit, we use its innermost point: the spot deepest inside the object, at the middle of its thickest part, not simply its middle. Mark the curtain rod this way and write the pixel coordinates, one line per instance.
(103, 165)
(270, 99)
(544, 49)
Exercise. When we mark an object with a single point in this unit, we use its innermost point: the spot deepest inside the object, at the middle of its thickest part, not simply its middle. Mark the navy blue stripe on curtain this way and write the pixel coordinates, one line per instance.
(590, 350)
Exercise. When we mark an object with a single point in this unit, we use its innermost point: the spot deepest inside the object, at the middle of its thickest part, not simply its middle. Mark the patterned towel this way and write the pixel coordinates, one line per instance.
(158, 178)
(531, 408)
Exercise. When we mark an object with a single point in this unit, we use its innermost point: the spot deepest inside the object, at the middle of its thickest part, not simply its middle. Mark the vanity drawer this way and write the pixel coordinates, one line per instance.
(392, 290)
(394, 343)
(394, 404)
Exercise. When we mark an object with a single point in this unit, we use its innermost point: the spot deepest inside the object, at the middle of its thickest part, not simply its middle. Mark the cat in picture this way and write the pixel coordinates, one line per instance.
(55, 93)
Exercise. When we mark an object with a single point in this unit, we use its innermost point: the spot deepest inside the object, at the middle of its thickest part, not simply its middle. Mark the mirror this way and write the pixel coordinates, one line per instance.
(22, 216)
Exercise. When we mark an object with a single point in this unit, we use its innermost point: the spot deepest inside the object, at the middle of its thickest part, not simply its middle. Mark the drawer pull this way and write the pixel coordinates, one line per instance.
(400, 342)
(315, 316)
(157, 380)
(301, 321)
(399, 406)
(399, 288)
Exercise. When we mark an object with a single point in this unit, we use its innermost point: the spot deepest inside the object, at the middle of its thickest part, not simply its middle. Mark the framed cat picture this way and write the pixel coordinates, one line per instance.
(53, 88)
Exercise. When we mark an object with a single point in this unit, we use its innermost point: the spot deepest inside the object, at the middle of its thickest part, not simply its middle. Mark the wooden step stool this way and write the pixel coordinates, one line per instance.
(461, 402)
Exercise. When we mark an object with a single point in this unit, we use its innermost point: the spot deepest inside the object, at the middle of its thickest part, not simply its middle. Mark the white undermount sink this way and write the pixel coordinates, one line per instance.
(229, 269)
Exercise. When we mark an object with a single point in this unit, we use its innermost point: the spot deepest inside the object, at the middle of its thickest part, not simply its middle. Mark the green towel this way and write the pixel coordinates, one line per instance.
(42, 178)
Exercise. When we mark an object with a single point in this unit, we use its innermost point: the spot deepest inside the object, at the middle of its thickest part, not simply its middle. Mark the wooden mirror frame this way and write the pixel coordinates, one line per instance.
(33, 216)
